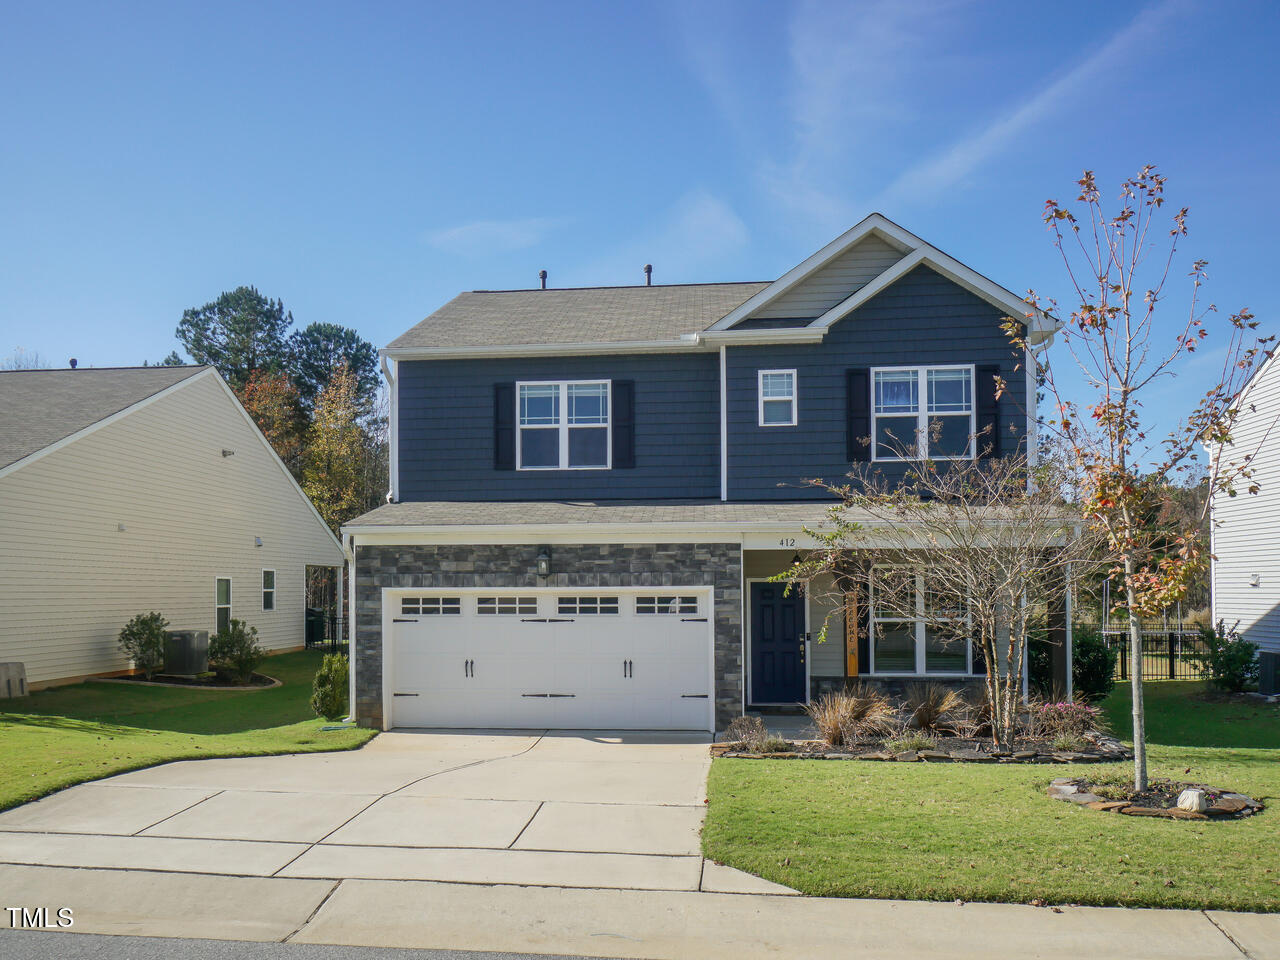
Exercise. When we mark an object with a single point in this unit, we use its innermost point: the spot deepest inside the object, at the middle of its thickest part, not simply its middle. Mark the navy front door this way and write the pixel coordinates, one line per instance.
(777, 644)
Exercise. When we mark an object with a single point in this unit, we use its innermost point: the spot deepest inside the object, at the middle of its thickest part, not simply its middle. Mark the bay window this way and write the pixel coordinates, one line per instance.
(563, 425)
(925, 412)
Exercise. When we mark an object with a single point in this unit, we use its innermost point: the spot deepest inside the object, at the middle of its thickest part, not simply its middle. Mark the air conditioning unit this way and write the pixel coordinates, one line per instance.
(186, 652)
(13, 680)
(1269, 674)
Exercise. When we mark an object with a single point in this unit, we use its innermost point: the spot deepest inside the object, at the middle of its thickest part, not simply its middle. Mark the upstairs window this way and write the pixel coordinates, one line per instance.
(563, 425)
(923, 412)
(777, 391)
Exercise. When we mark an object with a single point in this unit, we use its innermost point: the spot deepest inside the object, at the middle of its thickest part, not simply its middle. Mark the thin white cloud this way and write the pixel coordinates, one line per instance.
(696, 238)
(959, 159)
(482, 237)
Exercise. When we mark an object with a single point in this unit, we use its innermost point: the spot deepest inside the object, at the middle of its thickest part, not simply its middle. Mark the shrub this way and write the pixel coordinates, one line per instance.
(236, 651)
(1068, 742)
(1064, 718)
(142, 640)
(842, 718)
(934, 708)
(914, 740)
(1093, 671)
(1232, 661)
(329, 691)
(746, 733)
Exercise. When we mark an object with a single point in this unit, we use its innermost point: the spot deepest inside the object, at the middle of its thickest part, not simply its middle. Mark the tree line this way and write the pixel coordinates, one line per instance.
(313, 392)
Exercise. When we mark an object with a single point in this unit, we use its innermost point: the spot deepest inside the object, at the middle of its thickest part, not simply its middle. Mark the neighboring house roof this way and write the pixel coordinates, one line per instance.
(485, 318)
(553, 512)
(40, 407)
(846, 273)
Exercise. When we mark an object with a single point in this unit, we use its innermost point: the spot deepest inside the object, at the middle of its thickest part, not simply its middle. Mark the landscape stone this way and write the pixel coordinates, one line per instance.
(1145, 812)
(934, 755)
(1193, 800)
(1025, 755)
(907, 756)
(1227, 804)
(1107, 804)
(1179, 814)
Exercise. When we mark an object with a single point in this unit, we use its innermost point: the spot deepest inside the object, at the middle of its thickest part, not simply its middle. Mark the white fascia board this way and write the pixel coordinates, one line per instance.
(809, 334)
(690, 341)
(99, 424)
(276, 457)
(393, 430)
(893, 234)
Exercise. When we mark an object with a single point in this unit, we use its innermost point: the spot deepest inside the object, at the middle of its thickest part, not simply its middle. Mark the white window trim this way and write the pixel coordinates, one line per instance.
(272, 591)
(922, 410)
(920, 632)
(563, 425)
(231, 599)
(760, 398)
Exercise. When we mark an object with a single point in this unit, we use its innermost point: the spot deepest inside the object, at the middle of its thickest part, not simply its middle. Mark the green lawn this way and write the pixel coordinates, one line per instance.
(980, 832)
(70, 734)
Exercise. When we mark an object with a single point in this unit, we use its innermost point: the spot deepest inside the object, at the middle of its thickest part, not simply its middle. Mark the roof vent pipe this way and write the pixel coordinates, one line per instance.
(648, 274)
(73, 363)
(542, 275)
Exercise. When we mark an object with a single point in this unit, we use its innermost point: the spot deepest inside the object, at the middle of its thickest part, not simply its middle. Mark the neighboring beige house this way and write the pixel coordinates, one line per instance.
(136, 489)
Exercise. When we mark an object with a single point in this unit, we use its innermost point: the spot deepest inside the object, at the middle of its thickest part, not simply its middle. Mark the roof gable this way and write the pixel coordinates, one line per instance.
(42, 407)
(843, 259)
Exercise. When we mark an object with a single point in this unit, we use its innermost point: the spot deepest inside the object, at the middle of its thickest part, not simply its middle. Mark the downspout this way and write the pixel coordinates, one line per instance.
(349, 551)
(393, 431)
(724, 426)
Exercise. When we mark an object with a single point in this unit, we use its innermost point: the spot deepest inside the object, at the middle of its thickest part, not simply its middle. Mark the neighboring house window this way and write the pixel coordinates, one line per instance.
(902, 642)
(268, 589)
(777, 391)
(923, 411)
(563, 425)
(222, 604)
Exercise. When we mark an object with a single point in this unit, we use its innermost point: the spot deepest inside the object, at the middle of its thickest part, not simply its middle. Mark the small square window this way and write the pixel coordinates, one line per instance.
(777, 390)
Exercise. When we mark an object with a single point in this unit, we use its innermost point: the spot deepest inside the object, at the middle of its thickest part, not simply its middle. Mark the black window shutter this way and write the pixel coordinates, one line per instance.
(624, 424)
(988, 419)
(504, 426)
(858, 415)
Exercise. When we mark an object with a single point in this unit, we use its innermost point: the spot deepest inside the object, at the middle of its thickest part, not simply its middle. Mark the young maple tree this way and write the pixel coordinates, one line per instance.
(1123, 340)
(335, 452)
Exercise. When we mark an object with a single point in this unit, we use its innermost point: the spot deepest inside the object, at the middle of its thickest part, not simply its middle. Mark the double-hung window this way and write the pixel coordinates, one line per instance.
(777, 393)
(923, 412)
(563, 425)
(268, 589)
(222, 604)
(915, 630)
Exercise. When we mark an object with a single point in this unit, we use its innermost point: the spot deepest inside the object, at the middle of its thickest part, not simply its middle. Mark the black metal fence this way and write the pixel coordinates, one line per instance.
(1166, 654)
(324, 631)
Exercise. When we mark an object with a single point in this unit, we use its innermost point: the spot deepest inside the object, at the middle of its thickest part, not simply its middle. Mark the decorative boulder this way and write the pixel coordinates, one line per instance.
(1196, 801)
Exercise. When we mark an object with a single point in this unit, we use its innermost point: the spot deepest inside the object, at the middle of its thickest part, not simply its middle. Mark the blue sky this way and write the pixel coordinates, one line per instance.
(366, 162)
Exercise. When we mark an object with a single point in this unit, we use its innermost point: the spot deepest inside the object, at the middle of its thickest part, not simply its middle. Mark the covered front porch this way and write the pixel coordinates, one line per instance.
(789, 661)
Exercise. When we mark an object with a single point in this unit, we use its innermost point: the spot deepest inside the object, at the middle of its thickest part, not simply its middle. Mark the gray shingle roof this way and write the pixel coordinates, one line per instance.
(588, 511)
(489, 318)
(40, 407)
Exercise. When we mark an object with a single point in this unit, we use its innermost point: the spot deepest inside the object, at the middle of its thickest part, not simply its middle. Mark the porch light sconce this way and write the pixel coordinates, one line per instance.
(544, 562)
(795, 560)
(257, 541)
(1255, 580)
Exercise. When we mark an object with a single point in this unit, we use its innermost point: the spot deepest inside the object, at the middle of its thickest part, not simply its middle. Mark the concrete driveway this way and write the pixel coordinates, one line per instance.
(558, 809)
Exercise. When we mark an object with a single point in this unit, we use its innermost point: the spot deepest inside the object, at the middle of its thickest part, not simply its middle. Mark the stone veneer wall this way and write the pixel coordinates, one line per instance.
(506, 566)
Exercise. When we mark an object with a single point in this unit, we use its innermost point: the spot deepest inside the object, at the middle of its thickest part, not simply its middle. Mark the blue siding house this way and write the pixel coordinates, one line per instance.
(591, 487)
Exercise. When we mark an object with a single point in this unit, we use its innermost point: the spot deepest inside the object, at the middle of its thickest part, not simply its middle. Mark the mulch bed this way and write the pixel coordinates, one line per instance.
(1101, 749)
(1160, 799)
(206, 681)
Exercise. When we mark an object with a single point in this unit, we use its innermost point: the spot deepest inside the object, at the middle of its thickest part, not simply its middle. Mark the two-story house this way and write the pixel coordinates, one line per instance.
(590, 487)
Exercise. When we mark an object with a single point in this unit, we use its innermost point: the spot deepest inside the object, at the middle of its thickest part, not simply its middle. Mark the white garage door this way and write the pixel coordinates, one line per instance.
(572, 659)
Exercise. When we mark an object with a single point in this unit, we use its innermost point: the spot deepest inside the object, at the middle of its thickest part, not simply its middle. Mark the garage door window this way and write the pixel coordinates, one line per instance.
(585, 605)
(666, 605)
(416, 606)
(507, 606)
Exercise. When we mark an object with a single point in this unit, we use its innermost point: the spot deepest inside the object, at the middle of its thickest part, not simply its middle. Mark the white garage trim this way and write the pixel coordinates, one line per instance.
(391, 605)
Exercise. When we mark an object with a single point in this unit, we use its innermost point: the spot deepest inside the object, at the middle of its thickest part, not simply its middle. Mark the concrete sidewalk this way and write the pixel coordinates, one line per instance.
(662, 925)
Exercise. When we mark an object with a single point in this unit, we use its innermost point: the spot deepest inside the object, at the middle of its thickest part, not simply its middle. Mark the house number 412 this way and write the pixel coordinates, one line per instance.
(787, 542)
